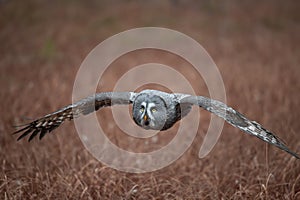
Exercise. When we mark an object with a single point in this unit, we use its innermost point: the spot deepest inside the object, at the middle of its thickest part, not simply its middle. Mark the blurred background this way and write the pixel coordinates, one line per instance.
(255, 44)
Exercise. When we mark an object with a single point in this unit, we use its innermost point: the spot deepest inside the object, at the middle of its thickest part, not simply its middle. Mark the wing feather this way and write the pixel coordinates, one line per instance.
(238, 120)
(85, 106)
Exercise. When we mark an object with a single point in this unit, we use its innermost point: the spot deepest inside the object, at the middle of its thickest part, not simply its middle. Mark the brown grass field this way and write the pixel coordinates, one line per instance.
(255, 45)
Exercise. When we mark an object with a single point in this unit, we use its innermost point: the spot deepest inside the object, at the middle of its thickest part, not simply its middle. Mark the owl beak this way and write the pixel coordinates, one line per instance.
(145, 117)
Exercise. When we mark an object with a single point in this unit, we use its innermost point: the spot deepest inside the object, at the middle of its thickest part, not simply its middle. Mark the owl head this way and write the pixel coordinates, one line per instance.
(149, 111)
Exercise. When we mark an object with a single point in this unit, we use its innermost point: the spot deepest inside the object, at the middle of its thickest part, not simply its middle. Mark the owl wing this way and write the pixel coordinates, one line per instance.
(236, 119)
(85, 106)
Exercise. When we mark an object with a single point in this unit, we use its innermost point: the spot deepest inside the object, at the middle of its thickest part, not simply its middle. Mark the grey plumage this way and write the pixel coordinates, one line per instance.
(85, 106)
(152, 109)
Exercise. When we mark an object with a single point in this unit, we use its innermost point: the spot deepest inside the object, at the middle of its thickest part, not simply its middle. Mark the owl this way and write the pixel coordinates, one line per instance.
(152, 109)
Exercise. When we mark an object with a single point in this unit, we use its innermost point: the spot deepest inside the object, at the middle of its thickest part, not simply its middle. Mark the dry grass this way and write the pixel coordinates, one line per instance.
(255, 45)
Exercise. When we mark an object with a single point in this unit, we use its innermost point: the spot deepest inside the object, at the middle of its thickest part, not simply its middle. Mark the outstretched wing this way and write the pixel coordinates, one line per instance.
(236, 119)
(85, 106)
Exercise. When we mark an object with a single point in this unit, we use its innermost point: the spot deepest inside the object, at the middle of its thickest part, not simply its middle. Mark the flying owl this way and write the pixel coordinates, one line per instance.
(152, 109)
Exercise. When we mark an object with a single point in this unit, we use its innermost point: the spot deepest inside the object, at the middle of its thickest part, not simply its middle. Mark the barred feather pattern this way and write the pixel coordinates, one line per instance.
(85, 106)
(46, 124)
(238, 120)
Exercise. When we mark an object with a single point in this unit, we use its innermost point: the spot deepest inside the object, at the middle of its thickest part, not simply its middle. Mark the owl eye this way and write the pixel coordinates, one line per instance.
(153, 110)
(142, 109)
